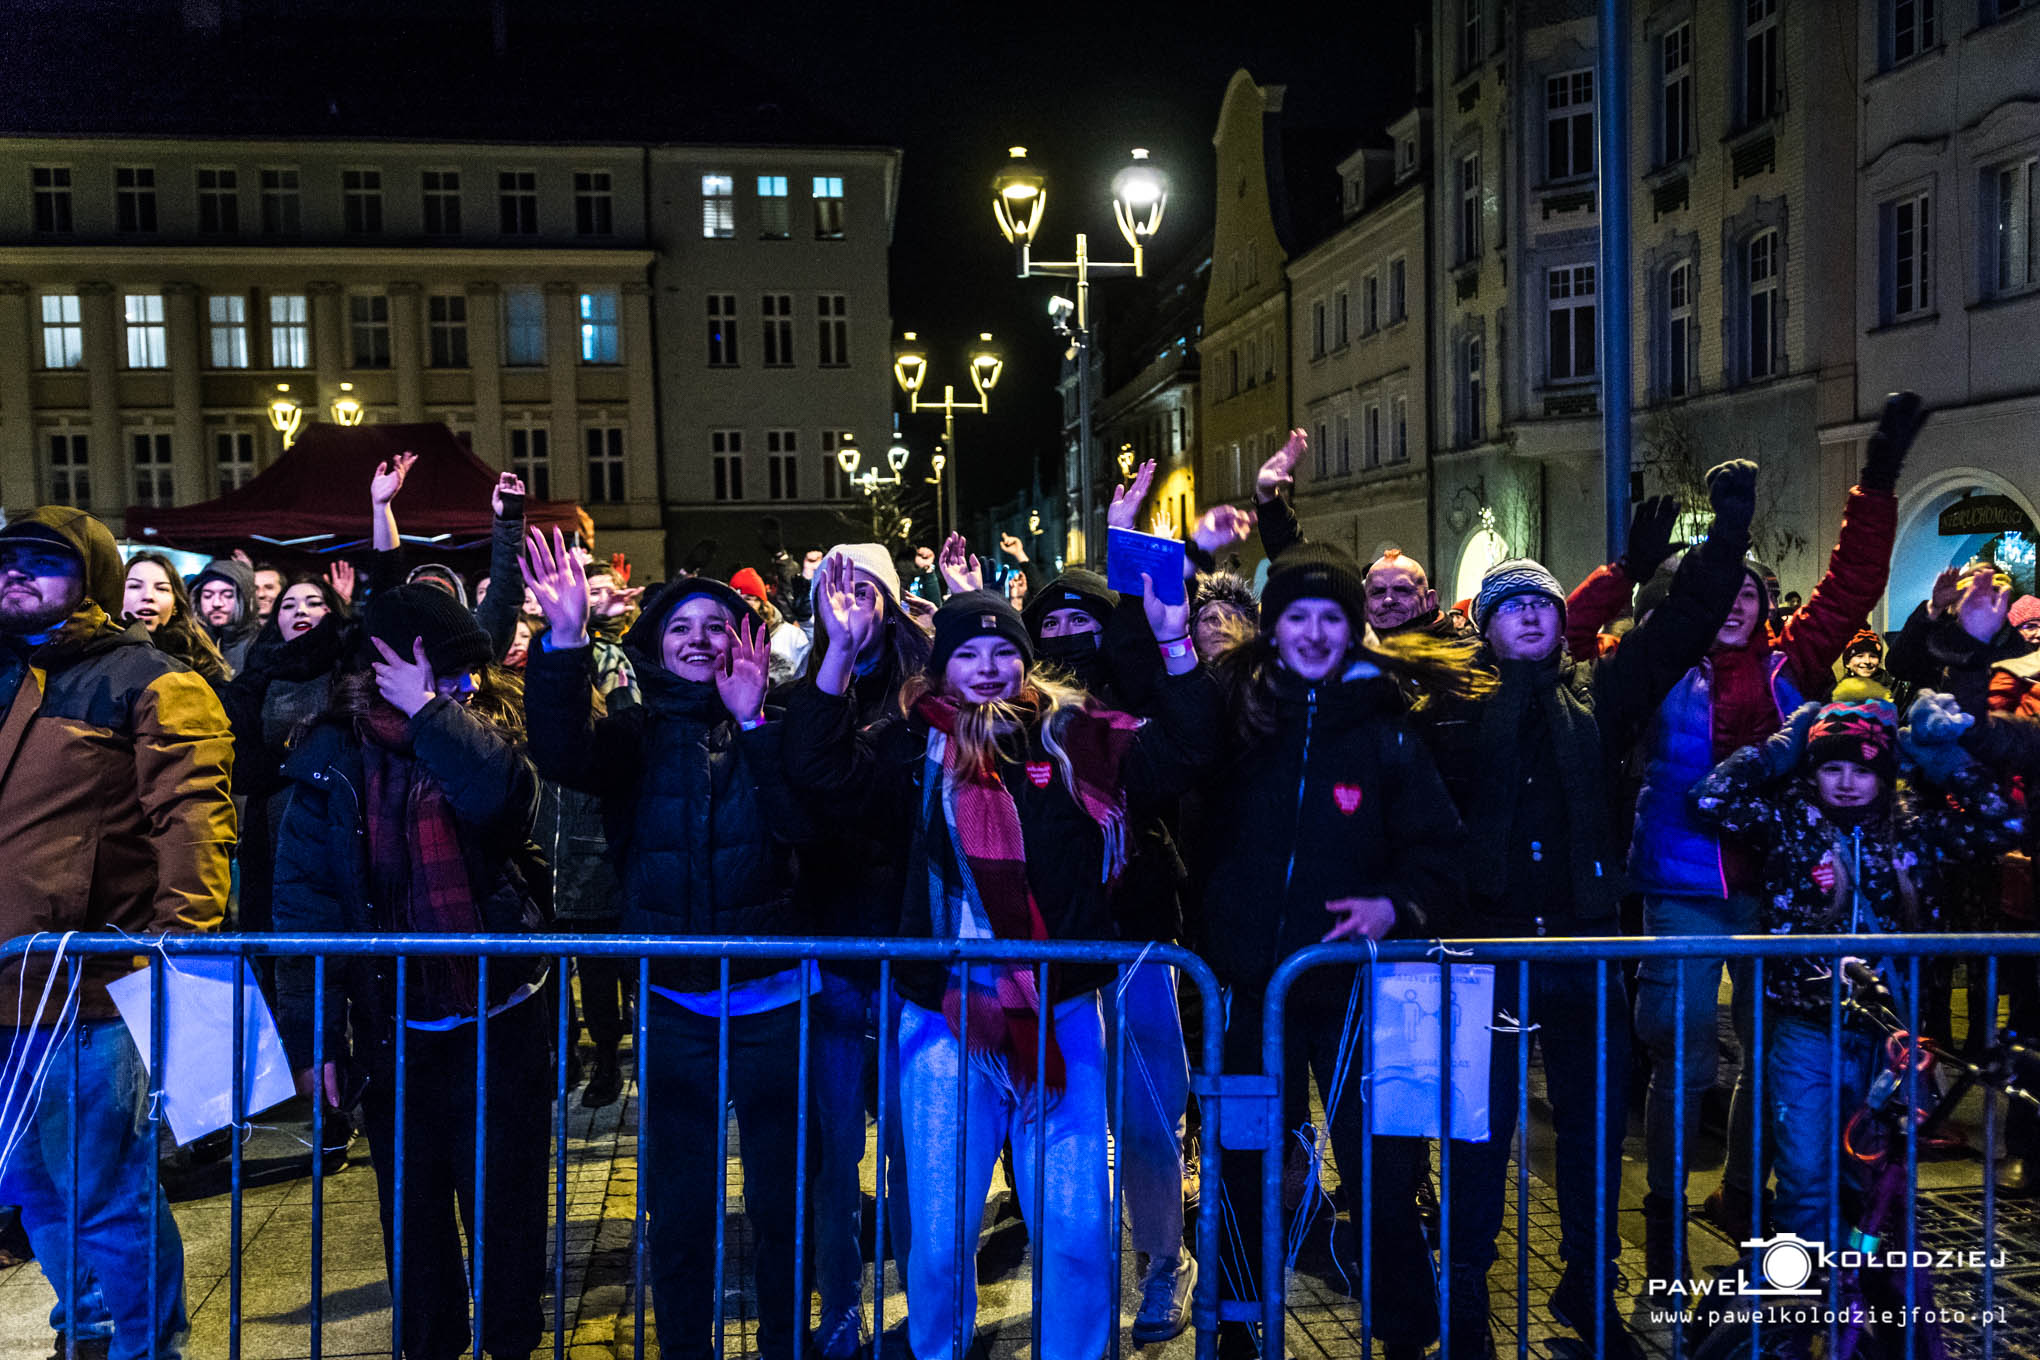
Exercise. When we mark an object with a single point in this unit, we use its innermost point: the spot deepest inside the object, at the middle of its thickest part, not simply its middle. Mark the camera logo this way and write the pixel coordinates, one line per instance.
(1785, 1265)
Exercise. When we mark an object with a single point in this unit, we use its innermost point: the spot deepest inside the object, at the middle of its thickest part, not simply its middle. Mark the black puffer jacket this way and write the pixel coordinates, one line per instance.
(699, 819)
(878, 776)
(322, 868)
(1340, 800)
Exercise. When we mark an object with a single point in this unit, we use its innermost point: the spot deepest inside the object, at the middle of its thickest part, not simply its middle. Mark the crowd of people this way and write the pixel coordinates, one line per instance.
(846, 744)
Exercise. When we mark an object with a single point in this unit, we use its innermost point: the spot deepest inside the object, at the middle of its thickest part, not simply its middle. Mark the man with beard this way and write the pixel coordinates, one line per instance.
(116, 758)
(225, 595)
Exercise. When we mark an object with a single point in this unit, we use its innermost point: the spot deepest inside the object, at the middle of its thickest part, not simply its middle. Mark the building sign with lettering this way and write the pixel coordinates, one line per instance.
(1984, 515)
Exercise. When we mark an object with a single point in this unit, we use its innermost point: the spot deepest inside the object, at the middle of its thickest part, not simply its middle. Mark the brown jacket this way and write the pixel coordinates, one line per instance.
(115, 782)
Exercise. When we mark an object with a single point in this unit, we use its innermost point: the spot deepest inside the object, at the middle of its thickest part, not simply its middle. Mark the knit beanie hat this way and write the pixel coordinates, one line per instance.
(1864, 641)
(749, 582)
(975, 614)
(2025, 609)
(1315, 571)
(1074, 589)
(454, 643)
(1652, 593)
(438, 574)
(1865, 731)
(873, 559)
(1507, 580)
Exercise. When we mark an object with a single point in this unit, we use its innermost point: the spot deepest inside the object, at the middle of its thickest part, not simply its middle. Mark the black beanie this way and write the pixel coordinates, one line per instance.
(1315, 571)
(454, 643)
(975, 614)
(1074, 589)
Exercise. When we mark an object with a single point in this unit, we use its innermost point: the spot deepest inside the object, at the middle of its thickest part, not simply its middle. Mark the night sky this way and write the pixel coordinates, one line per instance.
(1079, 86)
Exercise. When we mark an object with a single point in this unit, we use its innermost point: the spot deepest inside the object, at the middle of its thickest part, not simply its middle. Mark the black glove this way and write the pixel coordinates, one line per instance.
(513, 508)
(1904, 414)
(1732, 491)
(1650, 538)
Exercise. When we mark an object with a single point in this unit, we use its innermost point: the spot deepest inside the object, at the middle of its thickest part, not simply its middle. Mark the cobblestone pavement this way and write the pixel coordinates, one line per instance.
(599, 1315)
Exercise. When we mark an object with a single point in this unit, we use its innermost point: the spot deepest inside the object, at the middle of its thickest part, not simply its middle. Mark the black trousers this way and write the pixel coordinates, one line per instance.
(1402, 1310)
(608, 986)
(438, 1160)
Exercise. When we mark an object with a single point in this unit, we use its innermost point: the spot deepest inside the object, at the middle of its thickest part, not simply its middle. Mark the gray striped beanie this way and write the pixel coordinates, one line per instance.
(1506, 580)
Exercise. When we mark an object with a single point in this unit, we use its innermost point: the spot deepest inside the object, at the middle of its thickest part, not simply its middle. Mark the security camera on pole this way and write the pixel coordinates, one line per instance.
(1019, 196)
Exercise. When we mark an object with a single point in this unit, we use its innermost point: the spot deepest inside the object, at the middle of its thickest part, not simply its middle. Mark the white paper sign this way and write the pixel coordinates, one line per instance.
(198, 1043)
(1406, 1038)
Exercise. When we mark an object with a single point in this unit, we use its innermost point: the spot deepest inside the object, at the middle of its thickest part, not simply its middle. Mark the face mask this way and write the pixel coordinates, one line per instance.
(1076, 653)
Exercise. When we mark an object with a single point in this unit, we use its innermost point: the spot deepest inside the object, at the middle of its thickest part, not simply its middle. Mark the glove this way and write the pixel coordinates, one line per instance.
(1650, 538)
(1904, 414)
(1783, 748)
(513, 507)
(1937, 720)
(1732, 491)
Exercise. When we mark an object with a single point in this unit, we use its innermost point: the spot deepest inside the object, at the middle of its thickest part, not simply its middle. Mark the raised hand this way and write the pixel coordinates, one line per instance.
(507, 484)
(1782, 749)
(619, 567)
(340, 576)
(406, 685)
(1221, 527)
(1947, 585)
(1650, 537)
(1171, 623)
(1010, 545)
(241, 555)
(742, 677)
(389, 478)
(1280, 469)
(554, 575)
(960, 568)
(1369, 918)
(1732, 491)
(1126, 499)
(1984, 606)
(1884, 455)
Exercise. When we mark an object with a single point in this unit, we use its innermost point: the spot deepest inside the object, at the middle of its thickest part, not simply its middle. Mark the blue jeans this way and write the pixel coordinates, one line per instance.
(114, 1180)
(1157, 1075)
(1659, 1020)
(1806, 1119)
(844, 1018)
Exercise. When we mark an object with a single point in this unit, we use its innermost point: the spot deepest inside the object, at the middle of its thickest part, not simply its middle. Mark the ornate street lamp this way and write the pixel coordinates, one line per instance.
(286, 415)
(347, 408)
(910, 371)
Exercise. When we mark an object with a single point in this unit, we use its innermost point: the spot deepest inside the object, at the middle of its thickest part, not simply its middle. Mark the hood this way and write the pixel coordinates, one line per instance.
(1076, 588)
(242, 578)
(643, 636)
(105, 573)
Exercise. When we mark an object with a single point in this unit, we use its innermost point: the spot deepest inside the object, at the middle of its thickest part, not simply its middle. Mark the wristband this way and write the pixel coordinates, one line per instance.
(1181, 637)
(1176, 648)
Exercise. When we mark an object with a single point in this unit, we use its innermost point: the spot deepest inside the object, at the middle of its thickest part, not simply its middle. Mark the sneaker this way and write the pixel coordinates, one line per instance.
(840, 1335)
(88, 1348)
(1472, 1337)
(1165, 1300)
(1573, 1304)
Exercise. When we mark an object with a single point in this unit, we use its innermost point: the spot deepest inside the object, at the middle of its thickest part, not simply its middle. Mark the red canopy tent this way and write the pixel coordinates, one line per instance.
(315, 497)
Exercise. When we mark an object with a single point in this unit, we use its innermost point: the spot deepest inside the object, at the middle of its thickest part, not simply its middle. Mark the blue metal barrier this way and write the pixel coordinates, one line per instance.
(557, 951)
(1518, 956)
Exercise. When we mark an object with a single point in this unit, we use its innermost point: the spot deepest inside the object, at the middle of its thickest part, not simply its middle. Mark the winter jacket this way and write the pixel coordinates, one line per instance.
(497, 614)
(1281, 530)
(239, 634)
(585, 887)
(116, 771)
(1937, 654)
(322, 868)
(1533, 763)
(1880, 876)
(879, 776)
(1340, 800)
(700, 823)
(281, 688)
(1672, 853)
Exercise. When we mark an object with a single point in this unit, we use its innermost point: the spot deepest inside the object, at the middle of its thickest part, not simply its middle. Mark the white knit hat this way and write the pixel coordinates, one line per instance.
(873, 559)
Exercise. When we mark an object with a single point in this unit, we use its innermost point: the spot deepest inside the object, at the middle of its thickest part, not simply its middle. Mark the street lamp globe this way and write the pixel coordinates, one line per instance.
(1140, 193)
(910, 365)
(938, 462)
(1019, 196)
(896, 458)
(347, 408)
(285, 415)
(985, 364)
(847, 458)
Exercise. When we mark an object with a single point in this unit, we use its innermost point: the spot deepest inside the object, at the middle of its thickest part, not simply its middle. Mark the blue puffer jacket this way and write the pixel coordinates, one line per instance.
(1671, 852)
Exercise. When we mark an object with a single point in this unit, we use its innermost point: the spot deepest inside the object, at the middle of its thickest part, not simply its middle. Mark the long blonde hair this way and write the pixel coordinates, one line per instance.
(983, 731)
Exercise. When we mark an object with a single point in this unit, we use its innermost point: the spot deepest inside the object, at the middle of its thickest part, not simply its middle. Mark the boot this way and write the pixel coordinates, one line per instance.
(1472, 1336)
(1574, 1305)
(605, 1083)
(2015, 1177)
(1728, 1209)
(1661, 1238)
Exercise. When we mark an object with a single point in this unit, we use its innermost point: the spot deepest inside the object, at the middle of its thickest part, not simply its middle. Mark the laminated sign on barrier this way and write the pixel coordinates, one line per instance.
(1405, 1041)
(198, 1043)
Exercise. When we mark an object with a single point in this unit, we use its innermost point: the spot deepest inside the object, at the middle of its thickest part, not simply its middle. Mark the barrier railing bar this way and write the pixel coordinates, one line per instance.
(1446, 1025)
(1037, 1230)
(722, 1149)
(637, 1221)
(157, 1082)
(1601, 1075)
(1115, 1061)
(1522, 1162)
(964, 1261)
(240, 1131)
(800, 1179)
(1753, 1063)
(403, 1037)
(1912, 1142)
(317, 1311)
(563, 1044)
(76, 1293)
(1990, 1142)
(1831, 1127)
(478, 1254)
(879, 1160)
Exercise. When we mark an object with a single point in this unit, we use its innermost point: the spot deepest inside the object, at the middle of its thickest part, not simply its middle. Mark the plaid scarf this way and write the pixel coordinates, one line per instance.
(416, 870)
(990, 859)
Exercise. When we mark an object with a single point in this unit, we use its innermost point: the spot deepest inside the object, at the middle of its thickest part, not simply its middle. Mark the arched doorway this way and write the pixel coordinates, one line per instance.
(1922, 550)
(1484, 547)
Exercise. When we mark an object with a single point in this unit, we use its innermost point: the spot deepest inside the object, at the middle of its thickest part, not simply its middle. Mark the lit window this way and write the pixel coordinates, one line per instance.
(775, 208)
(718, 207)
(290, 331)
(599, 326)
(63, 331)
(828, 207)
(226, 317)
(148, 343)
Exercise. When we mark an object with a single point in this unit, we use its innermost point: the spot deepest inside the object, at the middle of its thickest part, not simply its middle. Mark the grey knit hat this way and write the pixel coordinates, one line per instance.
(1506, 580)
